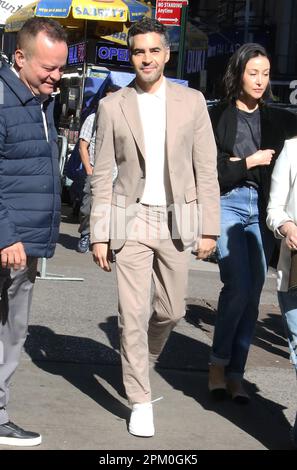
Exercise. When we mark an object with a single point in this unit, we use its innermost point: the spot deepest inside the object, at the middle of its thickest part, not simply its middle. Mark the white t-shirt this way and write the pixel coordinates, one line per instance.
(152, 109)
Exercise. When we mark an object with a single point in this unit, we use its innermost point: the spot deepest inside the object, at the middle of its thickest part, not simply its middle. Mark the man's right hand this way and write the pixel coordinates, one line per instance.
(100, 255)
(13, 256)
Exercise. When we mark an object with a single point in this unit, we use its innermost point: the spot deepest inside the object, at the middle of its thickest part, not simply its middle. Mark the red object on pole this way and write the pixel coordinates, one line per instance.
(169, 12)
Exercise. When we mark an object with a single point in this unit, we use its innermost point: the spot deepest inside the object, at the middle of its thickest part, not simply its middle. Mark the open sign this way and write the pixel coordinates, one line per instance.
(111, 54)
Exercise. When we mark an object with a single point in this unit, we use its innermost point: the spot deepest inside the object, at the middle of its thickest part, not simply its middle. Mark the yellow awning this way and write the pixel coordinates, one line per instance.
(115, 10)
(76, 12)
(16, 21)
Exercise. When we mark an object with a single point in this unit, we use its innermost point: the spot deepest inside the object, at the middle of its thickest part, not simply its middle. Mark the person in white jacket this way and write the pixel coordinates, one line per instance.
(282, 220)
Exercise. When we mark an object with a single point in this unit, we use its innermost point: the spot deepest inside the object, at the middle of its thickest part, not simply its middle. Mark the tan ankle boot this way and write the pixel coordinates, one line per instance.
(217, 382)
(237, 392)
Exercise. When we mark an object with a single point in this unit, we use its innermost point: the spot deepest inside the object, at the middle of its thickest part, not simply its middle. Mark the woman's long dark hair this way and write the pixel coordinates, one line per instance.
(232, 80)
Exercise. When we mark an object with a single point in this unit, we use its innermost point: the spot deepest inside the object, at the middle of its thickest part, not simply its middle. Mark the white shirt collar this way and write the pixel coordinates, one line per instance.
(159, 93)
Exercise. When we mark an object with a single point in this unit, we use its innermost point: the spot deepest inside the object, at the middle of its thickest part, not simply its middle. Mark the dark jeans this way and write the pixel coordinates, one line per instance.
(85, 208)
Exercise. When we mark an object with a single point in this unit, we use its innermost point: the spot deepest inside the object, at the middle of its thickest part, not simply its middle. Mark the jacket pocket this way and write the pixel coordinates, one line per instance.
(118, 200)
(191, 195)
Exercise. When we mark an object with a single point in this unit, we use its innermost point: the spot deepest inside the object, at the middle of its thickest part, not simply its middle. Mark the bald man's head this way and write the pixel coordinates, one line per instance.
(26, 37)
(41, 55)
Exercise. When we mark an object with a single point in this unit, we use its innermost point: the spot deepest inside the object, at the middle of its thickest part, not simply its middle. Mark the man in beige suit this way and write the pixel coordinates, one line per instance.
(165, 200)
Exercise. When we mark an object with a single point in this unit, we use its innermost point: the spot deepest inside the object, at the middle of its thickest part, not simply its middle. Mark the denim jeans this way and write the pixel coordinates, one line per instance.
(85, 208)
(288, 306)
(243, 265)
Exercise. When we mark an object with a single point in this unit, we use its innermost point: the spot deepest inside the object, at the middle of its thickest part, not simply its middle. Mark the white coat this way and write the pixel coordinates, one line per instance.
(282, 206)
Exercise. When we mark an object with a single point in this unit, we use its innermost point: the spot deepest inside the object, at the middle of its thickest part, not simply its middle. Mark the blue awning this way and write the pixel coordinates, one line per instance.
(136, 9)
(61, 8)
(55, 8)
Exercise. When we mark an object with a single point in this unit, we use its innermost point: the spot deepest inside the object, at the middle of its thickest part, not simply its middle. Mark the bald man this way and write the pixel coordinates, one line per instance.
(29, 192)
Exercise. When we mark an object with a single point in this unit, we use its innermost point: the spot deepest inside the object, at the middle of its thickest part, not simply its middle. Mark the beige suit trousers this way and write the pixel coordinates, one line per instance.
(148, 254)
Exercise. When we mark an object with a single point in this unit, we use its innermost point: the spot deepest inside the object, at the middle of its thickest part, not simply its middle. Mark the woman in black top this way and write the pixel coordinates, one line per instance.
(249, 136)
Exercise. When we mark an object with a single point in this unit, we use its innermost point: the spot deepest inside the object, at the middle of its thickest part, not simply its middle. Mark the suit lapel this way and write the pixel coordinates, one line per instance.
(129, 107)
(173, 110)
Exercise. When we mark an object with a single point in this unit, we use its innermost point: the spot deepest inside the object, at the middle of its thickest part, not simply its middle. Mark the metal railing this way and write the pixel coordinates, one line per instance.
(43, 275)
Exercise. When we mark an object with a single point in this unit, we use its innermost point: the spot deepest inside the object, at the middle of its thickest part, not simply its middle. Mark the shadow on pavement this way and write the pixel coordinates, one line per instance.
(53, 353)
(269, 332)
(262, 419)
(68, 241)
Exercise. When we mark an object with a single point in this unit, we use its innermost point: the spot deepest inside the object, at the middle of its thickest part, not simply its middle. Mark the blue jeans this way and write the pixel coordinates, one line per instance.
(288, 306)
(85, 208)
(243, 265)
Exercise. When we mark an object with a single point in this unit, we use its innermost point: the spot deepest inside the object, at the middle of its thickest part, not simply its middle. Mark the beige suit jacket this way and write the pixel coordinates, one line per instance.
(191, 183)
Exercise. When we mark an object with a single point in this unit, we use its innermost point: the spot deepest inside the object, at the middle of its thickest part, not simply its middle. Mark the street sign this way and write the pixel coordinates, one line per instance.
(169, 12)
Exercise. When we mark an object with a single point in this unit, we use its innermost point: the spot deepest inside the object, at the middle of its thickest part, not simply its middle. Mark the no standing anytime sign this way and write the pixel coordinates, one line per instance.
(169, 13)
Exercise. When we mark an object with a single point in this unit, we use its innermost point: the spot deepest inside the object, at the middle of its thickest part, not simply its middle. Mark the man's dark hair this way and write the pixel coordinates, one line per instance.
(33, 26)
(232, 80)
(148, 25)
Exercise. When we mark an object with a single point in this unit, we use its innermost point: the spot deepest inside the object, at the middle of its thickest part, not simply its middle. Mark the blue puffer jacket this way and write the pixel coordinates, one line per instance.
(29, 171)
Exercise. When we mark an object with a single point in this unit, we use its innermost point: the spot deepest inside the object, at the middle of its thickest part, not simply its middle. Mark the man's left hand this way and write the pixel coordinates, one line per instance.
(206, 246)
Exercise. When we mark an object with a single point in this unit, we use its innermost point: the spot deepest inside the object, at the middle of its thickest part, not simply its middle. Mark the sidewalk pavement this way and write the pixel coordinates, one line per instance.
(69, 387)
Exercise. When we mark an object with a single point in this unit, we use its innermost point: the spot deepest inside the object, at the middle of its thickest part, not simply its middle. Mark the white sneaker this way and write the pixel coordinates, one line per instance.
(142, 420)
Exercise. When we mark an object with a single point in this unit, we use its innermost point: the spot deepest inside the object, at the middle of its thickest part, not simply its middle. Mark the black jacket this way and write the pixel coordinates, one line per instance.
(277, 125)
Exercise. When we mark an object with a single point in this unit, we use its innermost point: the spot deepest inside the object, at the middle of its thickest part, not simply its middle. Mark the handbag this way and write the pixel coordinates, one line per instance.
(292, 287)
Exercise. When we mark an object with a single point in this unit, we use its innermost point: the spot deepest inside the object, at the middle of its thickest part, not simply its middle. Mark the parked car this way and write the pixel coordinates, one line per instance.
(287, 106)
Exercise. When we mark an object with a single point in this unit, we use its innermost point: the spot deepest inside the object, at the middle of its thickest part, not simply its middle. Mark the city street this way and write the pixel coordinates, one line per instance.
(69, 386)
